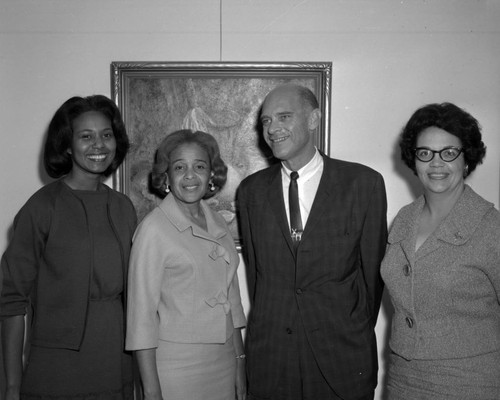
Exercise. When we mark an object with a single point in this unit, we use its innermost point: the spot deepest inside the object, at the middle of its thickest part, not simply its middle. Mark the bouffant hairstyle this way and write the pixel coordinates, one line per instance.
(178, 138)
(57, 160)
(451, 119)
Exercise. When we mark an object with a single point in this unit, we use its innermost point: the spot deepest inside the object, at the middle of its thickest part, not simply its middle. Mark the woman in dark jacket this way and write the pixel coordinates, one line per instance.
(67, 263)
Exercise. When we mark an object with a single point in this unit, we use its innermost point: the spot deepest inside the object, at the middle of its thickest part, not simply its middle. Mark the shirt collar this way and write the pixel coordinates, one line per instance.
(307, 170)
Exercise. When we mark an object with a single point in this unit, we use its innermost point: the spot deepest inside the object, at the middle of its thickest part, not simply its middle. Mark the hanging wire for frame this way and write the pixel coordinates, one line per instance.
(220, 30)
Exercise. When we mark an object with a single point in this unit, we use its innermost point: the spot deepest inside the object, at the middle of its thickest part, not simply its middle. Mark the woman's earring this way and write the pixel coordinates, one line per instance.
(211, 185)
(466, 171)
(167, 189)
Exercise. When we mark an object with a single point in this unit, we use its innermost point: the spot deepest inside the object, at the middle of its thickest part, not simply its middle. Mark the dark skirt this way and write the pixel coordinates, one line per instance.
(101, 370)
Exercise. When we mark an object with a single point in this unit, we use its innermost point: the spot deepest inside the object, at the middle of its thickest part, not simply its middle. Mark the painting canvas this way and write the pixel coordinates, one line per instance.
(222, 99)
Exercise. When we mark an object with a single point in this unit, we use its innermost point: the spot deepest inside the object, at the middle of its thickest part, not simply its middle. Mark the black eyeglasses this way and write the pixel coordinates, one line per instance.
(447, 154)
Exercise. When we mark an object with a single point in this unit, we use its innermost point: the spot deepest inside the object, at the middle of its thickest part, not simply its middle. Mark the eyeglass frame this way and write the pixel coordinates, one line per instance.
(460, 151)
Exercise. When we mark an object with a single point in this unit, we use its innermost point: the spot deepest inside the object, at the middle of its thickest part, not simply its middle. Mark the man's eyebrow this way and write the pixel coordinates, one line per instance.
(278, 113)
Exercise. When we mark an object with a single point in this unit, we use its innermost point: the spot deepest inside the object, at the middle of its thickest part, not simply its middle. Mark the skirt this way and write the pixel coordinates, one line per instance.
(196, 371)
(100, 370)
(471, 378)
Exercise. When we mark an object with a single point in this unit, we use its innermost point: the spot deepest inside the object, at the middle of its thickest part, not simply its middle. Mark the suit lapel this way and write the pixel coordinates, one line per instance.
(277, 205)
(323, 201)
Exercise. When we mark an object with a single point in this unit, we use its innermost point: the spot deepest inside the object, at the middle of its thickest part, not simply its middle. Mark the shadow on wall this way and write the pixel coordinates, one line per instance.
(404, 172)
(387, 309)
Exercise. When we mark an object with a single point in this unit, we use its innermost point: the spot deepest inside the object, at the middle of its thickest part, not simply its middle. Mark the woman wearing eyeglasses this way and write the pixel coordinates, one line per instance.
(442, 267)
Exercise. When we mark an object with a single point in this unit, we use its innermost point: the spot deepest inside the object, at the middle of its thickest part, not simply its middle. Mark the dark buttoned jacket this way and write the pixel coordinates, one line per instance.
(331, 281)
(48, 264)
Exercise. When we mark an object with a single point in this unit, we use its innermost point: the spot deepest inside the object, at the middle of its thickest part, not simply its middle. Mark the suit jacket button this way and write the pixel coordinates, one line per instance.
(406, 270)
(298, 291)
(289, 331)
(409, 322)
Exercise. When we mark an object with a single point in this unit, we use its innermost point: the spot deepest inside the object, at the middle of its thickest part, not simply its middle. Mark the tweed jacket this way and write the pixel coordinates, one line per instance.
(183, 281)
(446, 294)
(331, 282)
(48, 266)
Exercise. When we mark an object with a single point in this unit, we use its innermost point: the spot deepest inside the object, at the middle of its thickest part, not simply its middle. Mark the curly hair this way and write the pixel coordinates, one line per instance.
(178, 138)
(451, 119)
(57, 160)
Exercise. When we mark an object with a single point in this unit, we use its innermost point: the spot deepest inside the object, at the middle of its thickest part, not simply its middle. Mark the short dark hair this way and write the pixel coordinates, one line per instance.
(178, 138)
(451, 119)
(57, 160)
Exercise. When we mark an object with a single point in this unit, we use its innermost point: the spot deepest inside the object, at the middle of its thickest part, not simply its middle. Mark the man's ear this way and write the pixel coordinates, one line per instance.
(314, 119)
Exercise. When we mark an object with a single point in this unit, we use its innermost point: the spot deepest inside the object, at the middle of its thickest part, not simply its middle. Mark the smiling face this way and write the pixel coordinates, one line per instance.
(438, 176)
(189, 173)
(93, 145)
(288, 124)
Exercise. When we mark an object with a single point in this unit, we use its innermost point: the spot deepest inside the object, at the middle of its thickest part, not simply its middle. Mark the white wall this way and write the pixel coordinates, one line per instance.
(389, 57)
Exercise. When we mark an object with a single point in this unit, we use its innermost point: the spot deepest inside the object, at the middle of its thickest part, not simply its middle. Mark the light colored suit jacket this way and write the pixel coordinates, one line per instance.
(183, 285)
(445, 295)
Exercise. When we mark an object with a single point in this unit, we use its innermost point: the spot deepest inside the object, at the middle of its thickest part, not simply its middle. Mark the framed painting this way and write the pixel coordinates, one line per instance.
(222, 99)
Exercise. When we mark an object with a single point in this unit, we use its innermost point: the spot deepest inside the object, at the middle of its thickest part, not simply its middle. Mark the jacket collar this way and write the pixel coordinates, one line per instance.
(171, 209)
(456, 229)
(464, 218)
(324, 196)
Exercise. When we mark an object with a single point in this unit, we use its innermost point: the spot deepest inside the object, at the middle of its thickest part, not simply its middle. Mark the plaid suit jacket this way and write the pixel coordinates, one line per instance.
(332, 282)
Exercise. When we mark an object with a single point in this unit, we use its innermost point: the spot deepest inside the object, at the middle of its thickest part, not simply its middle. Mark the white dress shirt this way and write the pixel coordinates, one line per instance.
(308, 183)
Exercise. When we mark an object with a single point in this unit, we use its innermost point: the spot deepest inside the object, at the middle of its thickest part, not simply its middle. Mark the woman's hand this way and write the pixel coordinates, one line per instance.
(241, 379)
(146, 360)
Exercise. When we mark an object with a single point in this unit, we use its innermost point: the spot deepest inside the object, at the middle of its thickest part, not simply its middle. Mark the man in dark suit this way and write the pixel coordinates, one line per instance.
(314, 287)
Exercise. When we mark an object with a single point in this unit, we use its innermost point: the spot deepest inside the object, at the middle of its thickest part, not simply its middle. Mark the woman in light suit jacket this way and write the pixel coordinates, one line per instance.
(184, 308)
(442, 267)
